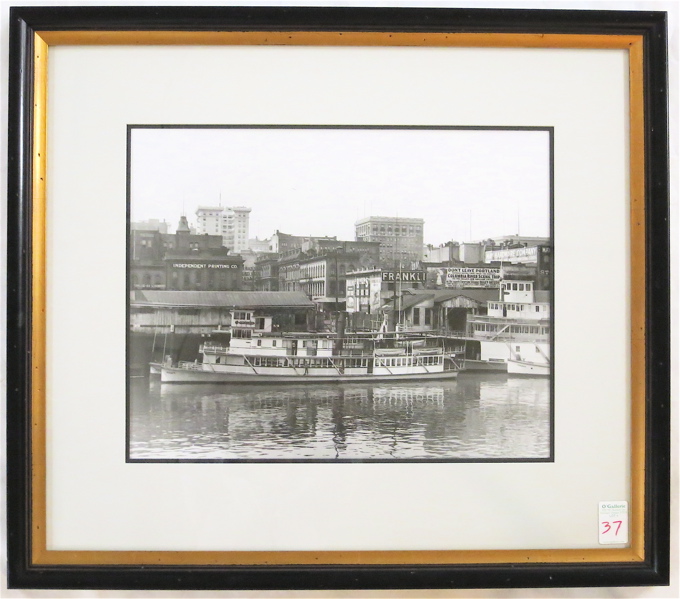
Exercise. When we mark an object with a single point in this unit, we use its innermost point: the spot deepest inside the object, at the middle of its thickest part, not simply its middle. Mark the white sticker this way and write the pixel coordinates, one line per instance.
(613, 522)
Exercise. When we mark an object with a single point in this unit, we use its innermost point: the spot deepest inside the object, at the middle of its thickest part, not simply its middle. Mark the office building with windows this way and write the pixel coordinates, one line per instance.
(232, 223)
(401, 239)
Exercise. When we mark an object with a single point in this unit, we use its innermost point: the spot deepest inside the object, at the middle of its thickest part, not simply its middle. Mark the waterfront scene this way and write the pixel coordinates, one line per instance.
(478, 416)
(339, 294)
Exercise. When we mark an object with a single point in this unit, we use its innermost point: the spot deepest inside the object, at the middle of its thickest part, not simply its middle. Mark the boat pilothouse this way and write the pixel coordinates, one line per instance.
(257, 353)
(514, 336)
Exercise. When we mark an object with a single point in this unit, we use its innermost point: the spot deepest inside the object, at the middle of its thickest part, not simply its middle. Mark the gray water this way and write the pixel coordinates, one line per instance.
(477, 416)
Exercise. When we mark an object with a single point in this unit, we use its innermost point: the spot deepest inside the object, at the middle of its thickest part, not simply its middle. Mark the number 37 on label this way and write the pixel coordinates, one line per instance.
(613, 522)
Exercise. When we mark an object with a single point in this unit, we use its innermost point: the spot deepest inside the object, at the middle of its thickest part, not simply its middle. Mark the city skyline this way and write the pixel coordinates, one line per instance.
(466, 184)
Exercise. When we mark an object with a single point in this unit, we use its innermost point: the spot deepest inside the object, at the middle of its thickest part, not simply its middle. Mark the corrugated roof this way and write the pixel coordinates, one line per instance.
(223, 299)
(413, 297)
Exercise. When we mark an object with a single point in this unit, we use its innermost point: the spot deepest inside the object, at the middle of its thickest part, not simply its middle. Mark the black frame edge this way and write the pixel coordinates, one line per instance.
(654, 570)
(18, 344)
(658, 304)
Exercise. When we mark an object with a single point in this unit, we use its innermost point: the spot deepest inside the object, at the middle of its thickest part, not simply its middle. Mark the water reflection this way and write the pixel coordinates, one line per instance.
(476, 416)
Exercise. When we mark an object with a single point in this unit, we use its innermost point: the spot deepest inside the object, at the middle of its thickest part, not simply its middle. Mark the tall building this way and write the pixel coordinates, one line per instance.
(232, 223)
(401, 239)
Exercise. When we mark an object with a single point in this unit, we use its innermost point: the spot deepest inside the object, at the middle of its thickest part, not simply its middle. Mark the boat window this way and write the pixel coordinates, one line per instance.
(517, 348)
(274, 343)
(521, 286)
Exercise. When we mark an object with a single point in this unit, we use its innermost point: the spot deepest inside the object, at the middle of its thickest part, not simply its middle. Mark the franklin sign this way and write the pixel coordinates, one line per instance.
(405, 276)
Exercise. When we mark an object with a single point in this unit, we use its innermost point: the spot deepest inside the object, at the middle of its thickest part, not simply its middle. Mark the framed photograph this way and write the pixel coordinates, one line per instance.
(337, 298)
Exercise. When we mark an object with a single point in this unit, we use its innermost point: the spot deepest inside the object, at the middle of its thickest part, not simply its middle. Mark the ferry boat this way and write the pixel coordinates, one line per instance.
(257, 354)
(526, 368)
(514, 336)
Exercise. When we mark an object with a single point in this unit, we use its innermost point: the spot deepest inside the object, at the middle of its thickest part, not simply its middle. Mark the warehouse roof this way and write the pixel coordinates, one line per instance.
(413, 297)
(221, 299)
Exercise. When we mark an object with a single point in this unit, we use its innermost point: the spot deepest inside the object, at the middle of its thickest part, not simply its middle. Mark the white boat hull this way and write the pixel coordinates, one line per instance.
(155, 367)
(184, 375)
(485, 366)
(528, 368)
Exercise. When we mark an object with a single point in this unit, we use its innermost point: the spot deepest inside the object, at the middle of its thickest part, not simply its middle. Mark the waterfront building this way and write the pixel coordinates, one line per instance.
(248, 273)
(446, 253)
(443, 311)
(259, 246)
(369, 250)
(367, 290)
(172, 324)
(266, 273)
(204, 312)
(324, 277)
(400, 238)
(510, 241)
(232, 223)
(539, 257)
(282, 243)
(152, 224)
(154, 254)
(204, 270)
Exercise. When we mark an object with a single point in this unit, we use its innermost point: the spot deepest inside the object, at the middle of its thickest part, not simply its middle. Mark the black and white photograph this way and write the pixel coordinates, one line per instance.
(339, 293)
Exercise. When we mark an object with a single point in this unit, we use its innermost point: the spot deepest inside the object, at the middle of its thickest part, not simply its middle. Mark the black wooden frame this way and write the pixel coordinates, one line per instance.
(654, 570)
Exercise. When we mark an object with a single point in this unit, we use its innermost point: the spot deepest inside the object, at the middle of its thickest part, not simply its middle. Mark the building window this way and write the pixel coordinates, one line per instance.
(416, 316)
(428, 316)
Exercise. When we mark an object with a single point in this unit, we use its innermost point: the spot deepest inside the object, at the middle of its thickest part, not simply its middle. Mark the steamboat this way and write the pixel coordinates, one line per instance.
(514, 335)
(257, 354)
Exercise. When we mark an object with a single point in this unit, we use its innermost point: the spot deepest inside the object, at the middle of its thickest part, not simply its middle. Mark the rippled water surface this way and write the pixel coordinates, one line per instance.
(477, 416)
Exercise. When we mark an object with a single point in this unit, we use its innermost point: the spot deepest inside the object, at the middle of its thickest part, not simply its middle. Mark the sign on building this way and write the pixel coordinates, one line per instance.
(404, 276)
(461, 277)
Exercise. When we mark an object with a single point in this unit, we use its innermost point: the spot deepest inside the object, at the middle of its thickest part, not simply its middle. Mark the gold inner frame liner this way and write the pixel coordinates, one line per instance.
(40, 555)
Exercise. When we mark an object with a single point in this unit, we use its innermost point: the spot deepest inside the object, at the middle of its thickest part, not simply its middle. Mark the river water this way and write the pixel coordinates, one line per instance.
(479, 416)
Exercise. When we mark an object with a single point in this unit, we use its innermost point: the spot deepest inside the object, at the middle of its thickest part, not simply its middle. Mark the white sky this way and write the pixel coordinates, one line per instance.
(465, 184)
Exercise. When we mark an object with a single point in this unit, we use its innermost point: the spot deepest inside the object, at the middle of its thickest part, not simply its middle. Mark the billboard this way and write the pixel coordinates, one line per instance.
(461, 277)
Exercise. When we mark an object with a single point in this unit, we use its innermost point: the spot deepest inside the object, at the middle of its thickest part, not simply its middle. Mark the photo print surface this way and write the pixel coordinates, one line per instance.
(339, 294)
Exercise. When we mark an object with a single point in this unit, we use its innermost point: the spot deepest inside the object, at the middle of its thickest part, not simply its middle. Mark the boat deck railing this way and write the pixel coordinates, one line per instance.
(189, 366)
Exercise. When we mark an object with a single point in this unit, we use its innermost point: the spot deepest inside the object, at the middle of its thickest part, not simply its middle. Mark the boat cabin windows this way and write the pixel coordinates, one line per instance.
(241, 333)
(408, 361)
(240, 315)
